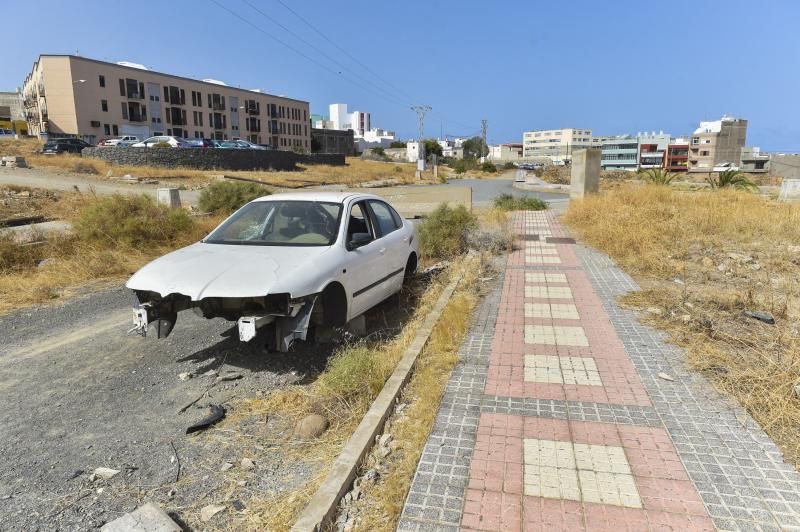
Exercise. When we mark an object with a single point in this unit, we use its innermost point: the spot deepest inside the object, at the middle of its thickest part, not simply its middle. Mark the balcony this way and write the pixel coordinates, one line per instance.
(255, 111)
(218, 106)
(136, 117)
(135, 95)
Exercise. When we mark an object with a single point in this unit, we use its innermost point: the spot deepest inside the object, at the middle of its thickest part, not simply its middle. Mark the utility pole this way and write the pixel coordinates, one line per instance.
(484, 127)
(421, 110)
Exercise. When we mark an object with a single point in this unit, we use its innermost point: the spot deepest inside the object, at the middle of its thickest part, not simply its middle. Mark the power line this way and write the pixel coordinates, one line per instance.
(345, 52)
(300, 53)
(322, 52)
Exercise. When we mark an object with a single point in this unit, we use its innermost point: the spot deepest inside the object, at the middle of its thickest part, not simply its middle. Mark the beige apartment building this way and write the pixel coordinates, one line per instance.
(556, 144)
(67, 95)
(717, 142)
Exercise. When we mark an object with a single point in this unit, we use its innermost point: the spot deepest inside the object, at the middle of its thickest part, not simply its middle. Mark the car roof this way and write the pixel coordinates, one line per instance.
(338, 196)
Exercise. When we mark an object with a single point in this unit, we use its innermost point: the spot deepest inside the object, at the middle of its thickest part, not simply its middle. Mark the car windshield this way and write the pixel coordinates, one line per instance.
(280, 223)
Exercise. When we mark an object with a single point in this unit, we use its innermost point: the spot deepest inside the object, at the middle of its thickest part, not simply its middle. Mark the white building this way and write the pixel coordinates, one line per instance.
(503, 153)
(556, 144)
(360, 122)
(413, 151)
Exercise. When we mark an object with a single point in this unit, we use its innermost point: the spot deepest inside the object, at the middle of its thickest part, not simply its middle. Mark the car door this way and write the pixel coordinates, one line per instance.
(364, 264)
(395, 245)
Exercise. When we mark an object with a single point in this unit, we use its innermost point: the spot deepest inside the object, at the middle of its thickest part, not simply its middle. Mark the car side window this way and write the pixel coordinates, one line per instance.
(383, 217)
(358, 222)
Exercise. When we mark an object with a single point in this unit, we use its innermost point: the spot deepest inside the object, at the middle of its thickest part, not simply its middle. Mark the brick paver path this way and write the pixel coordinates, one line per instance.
(556, 419)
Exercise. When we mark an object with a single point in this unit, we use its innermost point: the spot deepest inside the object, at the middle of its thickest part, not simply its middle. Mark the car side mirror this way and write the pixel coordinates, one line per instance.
(358, 240)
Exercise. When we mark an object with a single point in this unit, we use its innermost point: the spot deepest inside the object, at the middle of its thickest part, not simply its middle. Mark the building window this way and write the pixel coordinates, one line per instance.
(122, 87)
(104, 105)
(115, 129)
(102, 81)
(106, 129)
(124, 110)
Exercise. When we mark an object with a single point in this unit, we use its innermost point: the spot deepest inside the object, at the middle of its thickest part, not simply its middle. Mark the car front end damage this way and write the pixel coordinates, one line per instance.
(283, 318)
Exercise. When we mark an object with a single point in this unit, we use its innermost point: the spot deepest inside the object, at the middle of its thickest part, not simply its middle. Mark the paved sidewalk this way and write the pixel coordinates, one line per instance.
(556, 419)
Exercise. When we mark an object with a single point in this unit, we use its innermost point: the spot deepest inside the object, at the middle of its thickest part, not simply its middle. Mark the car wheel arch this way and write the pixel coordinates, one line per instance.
(334, 304)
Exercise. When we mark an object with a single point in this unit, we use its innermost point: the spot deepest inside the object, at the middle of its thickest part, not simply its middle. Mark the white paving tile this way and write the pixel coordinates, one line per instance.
(549, 292)
(539, 277)
(555, 335)
(591, 473)
(558, 311)
(562, 370)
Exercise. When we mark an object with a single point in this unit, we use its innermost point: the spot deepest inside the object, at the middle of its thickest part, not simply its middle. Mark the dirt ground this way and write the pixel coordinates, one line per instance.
(78, 394)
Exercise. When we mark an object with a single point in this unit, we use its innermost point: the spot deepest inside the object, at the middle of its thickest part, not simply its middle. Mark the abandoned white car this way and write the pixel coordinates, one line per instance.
(284, 262)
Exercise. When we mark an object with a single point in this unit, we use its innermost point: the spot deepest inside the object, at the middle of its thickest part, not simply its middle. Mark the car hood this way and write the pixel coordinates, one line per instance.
(219, 270)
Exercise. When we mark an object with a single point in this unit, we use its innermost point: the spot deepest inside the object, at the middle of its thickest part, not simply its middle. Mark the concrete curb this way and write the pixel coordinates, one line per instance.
(322, 507)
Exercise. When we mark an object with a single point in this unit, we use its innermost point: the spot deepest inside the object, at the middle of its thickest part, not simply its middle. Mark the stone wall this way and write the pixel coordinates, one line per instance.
(210, 159)
(201, 159)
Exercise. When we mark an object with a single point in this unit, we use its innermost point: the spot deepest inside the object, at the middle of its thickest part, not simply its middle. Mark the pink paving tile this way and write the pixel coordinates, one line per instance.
(621, 383)
(497, 468)
(490, 510)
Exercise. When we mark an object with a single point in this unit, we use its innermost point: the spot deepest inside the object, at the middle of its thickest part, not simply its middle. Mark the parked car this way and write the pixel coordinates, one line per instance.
(174, 142)
(284, 263)
(721, 167)
(248, 145)
(125, 140)
(231, 145)
(65, 145)
(6, 133)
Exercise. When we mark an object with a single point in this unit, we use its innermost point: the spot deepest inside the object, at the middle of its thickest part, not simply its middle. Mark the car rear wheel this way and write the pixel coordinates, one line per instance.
(411, 268)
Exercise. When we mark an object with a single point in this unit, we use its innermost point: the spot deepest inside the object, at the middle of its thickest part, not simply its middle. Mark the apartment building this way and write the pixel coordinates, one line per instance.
(677, 157)
(67, 95)
(717, 142)
(11, 115)
(652, 149)
(555, 144)
(620, 153)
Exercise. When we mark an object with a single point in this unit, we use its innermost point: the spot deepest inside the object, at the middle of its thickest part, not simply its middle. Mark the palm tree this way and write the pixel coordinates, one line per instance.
(658, 176)
(731, 178)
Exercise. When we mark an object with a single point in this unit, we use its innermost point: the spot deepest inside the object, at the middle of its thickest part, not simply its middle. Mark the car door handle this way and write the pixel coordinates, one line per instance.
(382, 251)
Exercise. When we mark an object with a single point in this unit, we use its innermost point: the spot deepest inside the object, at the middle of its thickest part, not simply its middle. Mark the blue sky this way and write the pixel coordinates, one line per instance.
(615, 67)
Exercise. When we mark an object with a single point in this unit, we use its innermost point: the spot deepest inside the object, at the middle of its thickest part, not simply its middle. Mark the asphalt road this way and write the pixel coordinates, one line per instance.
(77, 393)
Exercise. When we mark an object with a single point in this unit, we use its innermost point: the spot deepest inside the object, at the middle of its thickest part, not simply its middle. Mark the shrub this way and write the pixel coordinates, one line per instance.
(130, 220)
(559, 175)
(731, 179)
(462, 165)
(444, 233)
(227, 196)
(15, 256)
(509, 166)
(397, 144)
(83, 167)
(379, 151)
(488, 167)
(398, 170)
(508, 202)
(657, 176)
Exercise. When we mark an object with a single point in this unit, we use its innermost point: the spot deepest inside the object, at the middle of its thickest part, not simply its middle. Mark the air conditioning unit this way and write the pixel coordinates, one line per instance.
(95, 123)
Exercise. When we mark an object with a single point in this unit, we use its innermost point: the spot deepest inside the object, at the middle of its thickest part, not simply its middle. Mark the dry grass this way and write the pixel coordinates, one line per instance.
(344, 392)
(703, 258)
(76, 265)
(22, 146)
(383, 503)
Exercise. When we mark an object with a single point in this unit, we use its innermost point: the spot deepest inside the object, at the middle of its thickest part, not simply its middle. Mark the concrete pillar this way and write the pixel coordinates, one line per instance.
(790, 190)
(585, 177)
(169, 197)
